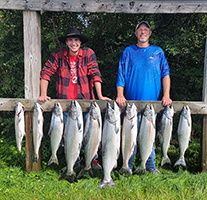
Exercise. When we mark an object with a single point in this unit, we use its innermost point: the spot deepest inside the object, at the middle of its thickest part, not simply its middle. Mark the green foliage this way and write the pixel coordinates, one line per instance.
(182, 37)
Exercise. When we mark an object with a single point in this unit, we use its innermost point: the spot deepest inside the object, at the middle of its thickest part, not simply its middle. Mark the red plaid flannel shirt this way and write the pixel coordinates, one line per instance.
(87, 72)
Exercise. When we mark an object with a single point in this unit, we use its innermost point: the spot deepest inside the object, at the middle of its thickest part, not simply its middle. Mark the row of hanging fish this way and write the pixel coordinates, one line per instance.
(76, 136)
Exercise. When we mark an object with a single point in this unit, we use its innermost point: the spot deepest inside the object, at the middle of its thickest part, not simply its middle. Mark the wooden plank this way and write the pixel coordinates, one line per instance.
(30, 165)
(204, 133)
(108, 6)
(32, 53)
(32, 67)
(9, 104)
(204, 145)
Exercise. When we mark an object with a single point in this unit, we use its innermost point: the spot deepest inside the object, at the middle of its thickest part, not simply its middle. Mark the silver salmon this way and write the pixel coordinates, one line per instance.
(91, 137)
(55, 132)
(37, 129)
(110, 143)
(146, 137)
(129, 137)
(184, 132)
(19, 125)
(73, 137)
(165, 132)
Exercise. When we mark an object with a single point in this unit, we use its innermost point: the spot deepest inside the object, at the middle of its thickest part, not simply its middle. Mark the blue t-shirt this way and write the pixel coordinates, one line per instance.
(140, 72)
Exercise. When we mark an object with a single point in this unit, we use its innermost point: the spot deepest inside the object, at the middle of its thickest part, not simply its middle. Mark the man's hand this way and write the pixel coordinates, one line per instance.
(166, 101)
(43, 98)
(104, 98)
(121, 100)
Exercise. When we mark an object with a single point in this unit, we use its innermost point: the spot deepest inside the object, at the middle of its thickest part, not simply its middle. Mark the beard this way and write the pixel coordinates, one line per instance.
(143, 40)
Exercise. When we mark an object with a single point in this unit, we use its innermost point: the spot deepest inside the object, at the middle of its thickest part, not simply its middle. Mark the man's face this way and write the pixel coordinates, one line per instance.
(143, 33)
(74, 44)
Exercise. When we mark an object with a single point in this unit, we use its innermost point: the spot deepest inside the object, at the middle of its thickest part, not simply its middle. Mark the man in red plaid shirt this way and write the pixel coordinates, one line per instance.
(76, 70)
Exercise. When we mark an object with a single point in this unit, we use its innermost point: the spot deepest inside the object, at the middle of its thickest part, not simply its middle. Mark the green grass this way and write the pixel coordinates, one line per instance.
(17, 184)
(170, 184)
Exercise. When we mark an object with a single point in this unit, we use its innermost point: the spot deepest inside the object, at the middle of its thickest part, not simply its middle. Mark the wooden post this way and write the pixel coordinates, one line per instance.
(32, 67)
(204, 135)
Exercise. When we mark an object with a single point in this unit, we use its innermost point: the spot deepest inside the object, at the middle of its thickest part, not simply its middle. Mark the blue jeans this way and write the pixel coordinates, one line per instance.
(150, 162)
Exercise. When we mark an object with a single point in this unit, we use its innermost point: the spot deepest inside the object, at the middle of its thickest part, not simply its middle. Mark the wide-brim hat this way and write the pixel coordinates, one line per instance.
(73, 32)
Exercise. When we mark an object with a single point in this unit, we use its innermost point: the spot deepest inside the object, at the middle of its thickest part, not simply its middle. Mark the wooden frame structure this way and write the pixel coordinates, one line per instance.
(32, 54)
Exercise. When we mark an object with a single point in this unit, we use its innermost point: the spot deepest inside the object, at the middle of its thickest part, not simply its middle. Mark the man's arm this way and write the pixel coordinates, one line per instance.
(43, 90)
(99, 92)
(166, 91)
(120, 96)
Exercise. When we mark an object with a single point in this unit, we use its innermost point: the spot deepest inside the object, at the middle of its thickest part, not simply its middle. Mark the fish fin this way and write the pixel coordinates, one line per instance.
(116, 129)
(165, 161)
(139, 170)
(180, 161)
(99, 122)
(126, 171)
(79, 125)
(53, 159)
(188, 122)
(70, 178)
(85, 172)
(105, 183)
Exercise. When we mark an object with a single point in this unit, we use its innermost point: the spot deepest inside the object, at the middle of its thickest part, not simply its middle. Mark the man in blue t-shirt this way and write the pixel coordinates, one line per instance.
(143, 68)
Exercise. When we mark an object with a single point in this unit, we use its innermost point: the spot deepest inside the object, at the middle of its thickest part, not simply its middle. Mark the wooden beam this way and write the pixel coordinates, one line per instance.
(32, 53)
(204, 98)
(109, 6)
(9, 104)
(32, 67)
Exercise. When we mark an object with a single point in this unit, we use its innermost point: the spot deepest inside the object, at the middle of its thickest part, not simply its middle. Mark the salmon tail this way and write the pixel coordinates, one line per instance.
(140, 170)
(105, 183)
(180, 161)
(165, 160)
(70, 178)
(53, 159)
(85, 172)
(126, 171)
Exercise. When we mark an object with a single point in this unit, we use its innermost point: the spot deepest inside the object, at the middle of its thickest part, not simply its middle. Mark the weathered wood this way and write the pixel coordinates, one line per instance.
(204, 145)
(32, 53)
(9, 104)
(32, 67)
(204, 133)
(30, 165)
(108, 6)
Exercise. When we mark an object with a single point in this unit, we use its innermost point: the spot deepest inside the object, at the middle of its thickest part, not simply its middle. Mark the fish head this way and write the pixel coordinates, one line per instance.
(94, 110)
(186, 111)
(38, 108)
(169, 111)
(111, 112)
(75, 110)
(19, 108)
(131, 111)
(149, 112)
(57, 109)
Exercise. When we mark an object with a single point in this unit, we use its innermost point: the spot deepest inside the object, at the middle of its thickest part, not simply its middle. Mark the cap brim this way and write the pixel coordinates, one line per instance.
(137, 26)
